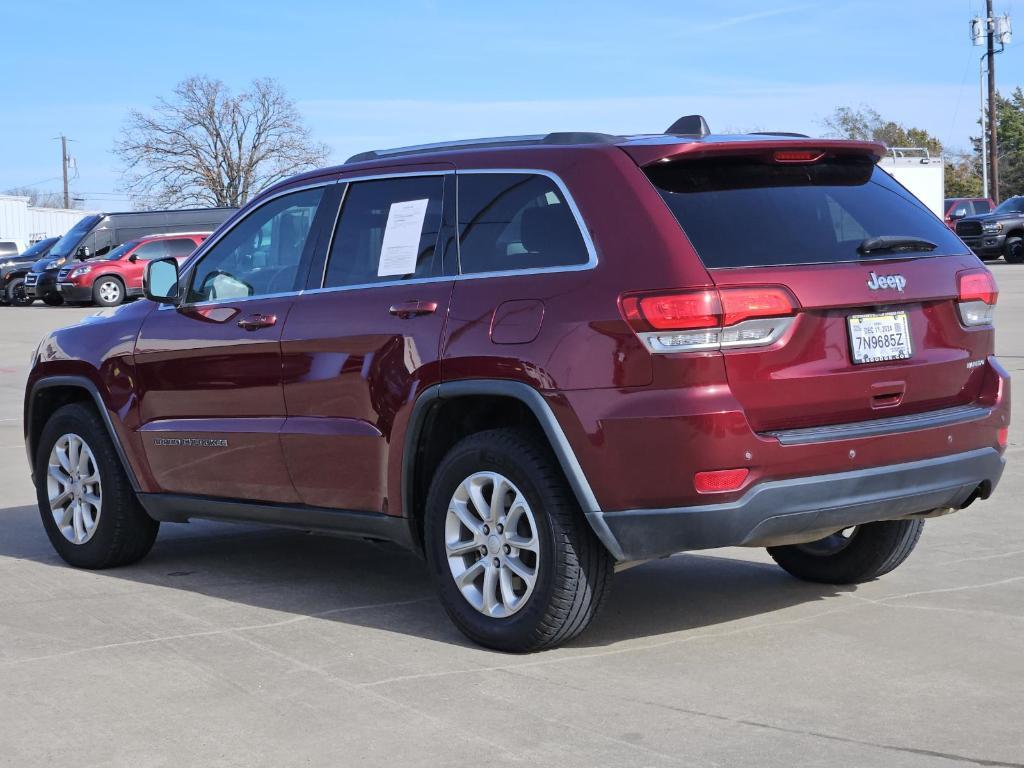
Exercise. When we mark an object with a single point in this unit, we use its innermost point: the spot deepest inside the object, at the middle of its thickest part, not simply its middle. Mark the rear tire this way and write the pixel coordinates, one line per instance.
(89, 510)
(16, 296)
(870, 551)
(543, 591)
(1013, 250)
(108, 292)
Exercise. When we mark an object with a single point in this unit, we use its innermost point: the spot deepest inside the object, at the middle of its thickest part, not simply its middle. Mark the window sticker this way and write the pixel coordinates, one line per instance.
(402, 233)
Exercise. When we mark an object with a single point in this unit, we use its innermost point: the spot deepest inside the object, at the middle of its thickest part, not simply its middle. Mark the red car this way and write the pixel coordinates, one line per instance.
(111, 279)
(534, 358)
(961, 207)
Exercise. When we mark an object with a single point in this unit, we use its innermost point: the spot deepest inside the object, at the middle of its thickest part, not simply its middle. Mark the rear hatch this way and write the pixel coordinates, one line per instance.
(877, 327)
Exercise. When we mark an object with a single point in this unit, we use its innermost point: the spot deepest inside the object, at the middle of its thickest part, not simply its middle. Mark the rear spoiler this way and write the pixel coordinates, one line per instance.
(647, 153)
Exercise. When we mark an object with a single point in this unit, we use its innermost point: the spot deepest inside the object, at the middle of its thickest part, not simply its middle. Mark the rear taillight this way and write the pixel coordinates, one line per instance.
(687, 321)
(976, 297)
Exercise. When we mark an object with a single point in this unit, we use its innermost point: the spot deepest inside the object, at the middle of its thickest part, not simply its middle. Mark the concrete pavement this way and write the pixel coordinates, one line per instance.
(241, 646)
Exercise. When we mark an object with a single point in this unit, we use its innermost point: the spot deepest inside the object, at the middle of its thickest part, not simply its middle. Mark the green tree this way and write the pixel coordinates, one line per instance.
(865, 124)
(963, 176)
(1010, 135)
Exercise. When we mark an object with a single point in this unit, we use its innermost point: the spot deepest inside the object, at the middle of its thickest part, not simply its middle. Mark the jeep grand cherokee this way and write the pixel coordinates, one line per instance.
(534, 358)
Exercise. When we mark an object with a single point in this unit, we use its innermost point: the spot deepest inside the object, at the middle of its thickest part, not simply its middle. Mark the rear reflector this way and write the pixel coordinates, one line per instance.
(977, 296)
(1003, 437)
(720, 480)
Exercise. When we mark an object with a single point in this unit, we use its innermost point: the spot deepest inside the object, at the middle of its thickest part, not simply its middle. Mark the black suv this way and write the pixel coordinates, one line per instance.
(14, 268)
(1000, 233)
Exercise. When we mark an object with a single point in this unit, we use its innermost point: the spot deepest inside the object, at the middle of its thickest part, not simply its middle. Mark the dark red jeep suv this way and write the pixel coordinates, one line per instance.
(534, 358)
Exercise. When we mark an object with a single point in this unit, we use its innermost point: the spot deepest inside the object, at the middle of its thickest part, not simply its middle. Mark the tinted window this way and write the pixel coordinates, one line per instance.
(180, 247)
(982, 206)
(69, 242)
(261, 254)
(121, 250)
(1013, 205)
(744, 212)
(155, 249)
(387, 231)
(511, 221)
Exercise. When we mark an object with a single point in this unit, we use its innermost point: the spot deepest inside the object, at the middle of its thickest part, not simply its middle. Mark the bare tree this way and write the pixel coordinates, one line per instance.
(206, 146)
(40, 199)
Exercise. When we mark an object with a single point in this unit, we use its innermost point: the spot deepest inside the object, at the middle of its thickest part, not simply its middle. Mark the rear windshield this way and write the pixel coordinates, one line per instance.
(745, 212)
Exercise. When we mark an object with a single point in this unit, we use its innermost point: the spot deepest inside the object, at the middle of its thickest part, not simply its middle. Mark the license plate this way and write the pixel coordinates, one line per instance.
(880, 337)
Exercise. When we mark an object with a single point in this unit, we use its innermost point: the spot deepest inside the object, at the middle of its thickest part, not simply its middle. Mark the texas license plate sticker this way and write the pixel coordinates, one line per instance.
(881, 337)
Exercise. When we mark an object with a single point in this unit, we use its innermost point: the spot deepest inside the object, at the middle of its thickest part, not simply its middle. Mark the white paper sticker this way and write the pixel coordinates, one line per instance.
(402, 238)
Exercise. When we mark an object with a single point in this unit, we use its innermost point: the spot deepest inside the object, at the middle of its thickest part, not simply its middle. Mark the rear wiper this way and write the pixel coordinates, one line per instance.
(895, 243)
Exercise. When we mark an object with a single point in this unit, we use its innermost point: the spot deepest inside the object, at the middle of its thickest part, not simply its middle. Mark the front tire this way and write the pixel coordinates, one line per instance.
(516, 565)
(108, 292)
(1013, 250)
(53, 300)
(16, 295)
(89, 510)
(853, 555)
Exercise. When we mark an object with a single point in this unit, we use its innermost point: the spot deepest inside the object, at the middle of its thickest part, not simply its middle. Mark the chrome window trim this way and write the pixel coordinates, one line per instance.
(588, 242)
(209, 243)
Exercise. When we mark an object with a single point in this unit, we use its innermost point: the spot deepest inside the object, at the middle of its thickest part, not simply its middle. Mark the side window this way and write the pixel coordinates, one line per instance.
(510, 221)
(261, 254)
(180, 247)
(982, 206)
(387, 231)
(155, 249)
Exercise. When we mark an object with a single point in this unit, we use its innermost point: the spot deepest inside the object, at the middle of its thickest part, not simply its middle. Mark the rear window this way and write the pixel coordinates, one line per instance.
(745, 212)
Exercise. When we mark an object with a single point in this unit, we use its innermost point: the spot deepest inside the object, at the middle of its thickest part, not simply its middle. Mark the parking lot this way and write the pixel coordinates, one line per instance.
(241, 645)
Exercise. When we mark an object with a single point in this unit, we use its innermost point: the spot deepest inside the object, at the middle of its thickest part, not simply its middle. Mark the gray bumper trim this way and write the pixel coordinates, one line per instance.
(787, 508)
(888, 426)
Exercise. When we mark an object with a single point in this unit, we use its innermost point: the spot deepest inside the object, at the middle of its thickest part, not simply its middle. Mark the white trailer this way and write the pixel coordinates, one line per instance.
(919, 172)
(27, 224)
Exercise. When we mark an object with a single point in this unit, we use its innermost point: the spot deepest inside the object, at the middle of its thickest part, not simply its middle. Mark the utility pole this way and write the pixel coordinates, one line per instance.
(988, 32)
(64, 160)
(993, 146)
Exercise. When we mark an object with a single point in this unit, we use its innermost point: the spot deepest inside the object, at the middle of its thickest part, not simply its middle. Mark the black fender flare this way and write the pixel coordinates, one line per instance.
(83, 383)
(516, 390)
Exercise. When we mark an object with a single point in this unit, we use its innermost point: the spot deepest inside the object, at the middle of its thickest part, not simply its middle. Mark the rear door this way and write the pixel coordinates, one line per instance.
(804, 226)
(211, 400)
(364, 340)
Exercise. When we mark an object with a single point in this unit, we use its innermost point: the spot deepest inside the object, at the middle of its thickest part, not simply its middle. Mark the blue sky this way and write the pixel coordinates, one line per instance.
(369, 75)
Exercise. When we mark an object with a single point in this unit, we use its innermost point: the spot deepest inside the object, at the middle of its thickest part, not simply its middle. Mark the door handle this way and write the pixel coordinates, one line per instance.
(408, 309)
(255, 322)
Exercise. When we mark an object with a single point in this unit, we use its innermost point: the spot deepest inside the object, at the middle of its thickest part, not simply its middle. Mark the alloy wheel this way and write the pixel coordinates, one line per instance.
(110, 291)
(73, 488)
(492, 544)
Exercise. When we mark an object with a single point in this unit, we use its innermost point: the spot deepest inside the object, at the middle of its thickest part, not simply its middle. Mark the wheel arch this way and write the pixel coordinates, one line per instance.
(480, 404)
(51, 393)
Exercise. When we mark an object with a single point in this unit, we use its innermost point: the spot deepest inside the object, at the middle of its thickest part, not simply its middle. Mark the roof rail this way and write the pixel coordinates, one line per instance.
(791, 134)
(571, 137)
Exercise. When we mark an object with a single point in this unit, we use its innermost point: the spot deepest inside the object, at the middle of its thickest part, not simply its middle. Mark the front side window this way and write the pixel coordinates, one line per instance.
(261, 254)
(387, 231)
(154, 249)
(514, 221)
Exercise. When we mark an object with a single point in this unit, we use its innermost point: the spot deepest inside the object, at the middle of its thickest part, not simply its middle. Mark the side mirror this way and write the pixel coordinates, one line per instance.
(160, 281)
(133, 258)
(84, 253)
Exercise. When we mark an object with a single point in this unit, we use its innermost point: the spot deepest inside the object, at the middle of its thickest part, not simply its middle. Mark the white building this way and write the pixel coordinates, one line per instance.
(26, 224)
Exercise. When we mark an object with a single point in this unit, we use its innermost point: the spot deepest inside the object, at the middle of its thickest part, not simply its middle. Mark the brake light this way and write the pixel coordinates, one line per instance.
(977, 296)
(797, 156)
(709, 318)
(720, 480)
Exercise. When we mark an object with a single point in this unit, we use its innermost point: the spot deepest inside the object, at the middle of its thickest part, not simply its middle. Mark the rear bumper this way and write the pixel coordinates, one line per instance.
(774, 511)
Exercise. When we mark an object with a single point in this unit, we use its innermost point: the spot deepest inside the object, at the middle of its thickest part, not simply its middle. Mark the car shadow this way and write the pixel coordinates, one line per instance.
(383, 587)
